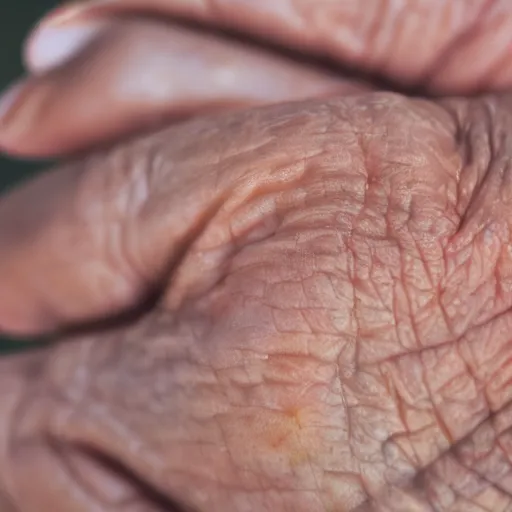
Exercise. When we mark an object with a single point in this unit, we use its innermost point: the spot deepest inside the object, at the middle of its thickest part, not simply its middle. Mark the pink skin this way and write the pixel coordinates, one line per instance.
(332, 324)
(333, 328)
(174, 72)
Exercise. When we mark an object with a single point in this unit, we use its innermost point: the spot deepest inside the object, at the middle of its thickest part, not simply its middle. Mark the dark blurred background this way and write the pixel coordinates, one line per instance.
(16, 19)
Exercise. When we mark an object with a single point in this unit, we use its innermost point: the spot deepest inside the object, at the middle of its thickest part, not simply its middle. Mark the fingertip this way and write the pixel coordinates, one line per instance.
(58, 37)
(12, 102)
(23, 107)
(53, 45)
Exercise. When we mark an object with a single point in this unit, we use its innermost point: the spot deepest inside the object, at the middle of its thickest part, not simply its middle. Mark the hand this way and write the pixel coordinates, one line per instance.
(132, 73)
(333, 324)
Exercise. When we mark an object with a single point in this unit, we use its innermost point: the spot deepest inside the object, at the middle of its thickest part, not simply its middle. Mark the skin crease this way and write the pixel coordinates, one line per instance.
(345, 343)
(332, 325)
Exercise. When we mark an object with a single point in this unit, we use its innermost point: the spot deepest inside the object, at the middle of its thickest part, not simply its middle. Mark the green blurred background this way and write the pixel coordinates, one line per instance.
(16, 19)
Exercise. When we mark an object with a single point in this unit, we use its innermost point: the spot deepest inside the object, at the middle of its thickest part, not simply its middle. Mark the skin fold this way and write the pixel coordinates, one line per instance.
(334, 333)
(289, 304)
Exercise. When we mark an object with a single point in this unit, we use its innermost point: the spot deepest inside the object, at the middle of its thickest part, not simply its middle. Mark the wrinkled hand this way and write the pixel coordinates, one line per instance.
(330, 278)
(333, 328)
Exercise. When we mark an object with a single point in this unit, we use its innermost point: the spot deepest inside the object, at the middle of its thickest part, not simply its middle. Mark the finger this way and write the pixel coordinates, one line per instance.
(455, 46)
(97, 237)
(136, 73)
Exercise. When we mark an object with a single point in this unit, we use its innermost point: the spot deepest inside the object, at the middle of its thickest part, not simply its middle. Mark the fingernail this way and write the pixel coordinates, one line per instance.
(9, 100)
(56, 42)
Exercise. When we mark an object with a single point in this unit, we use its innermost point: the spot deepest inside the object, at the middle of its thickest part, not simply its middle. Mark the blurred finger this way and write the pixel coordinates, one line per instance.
(136, 73)
(458, 46)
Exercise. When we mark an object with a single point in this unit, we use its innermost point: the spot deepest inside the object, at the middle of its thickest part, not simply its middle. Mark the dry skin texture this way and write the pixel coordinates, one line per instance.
(334, 336)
